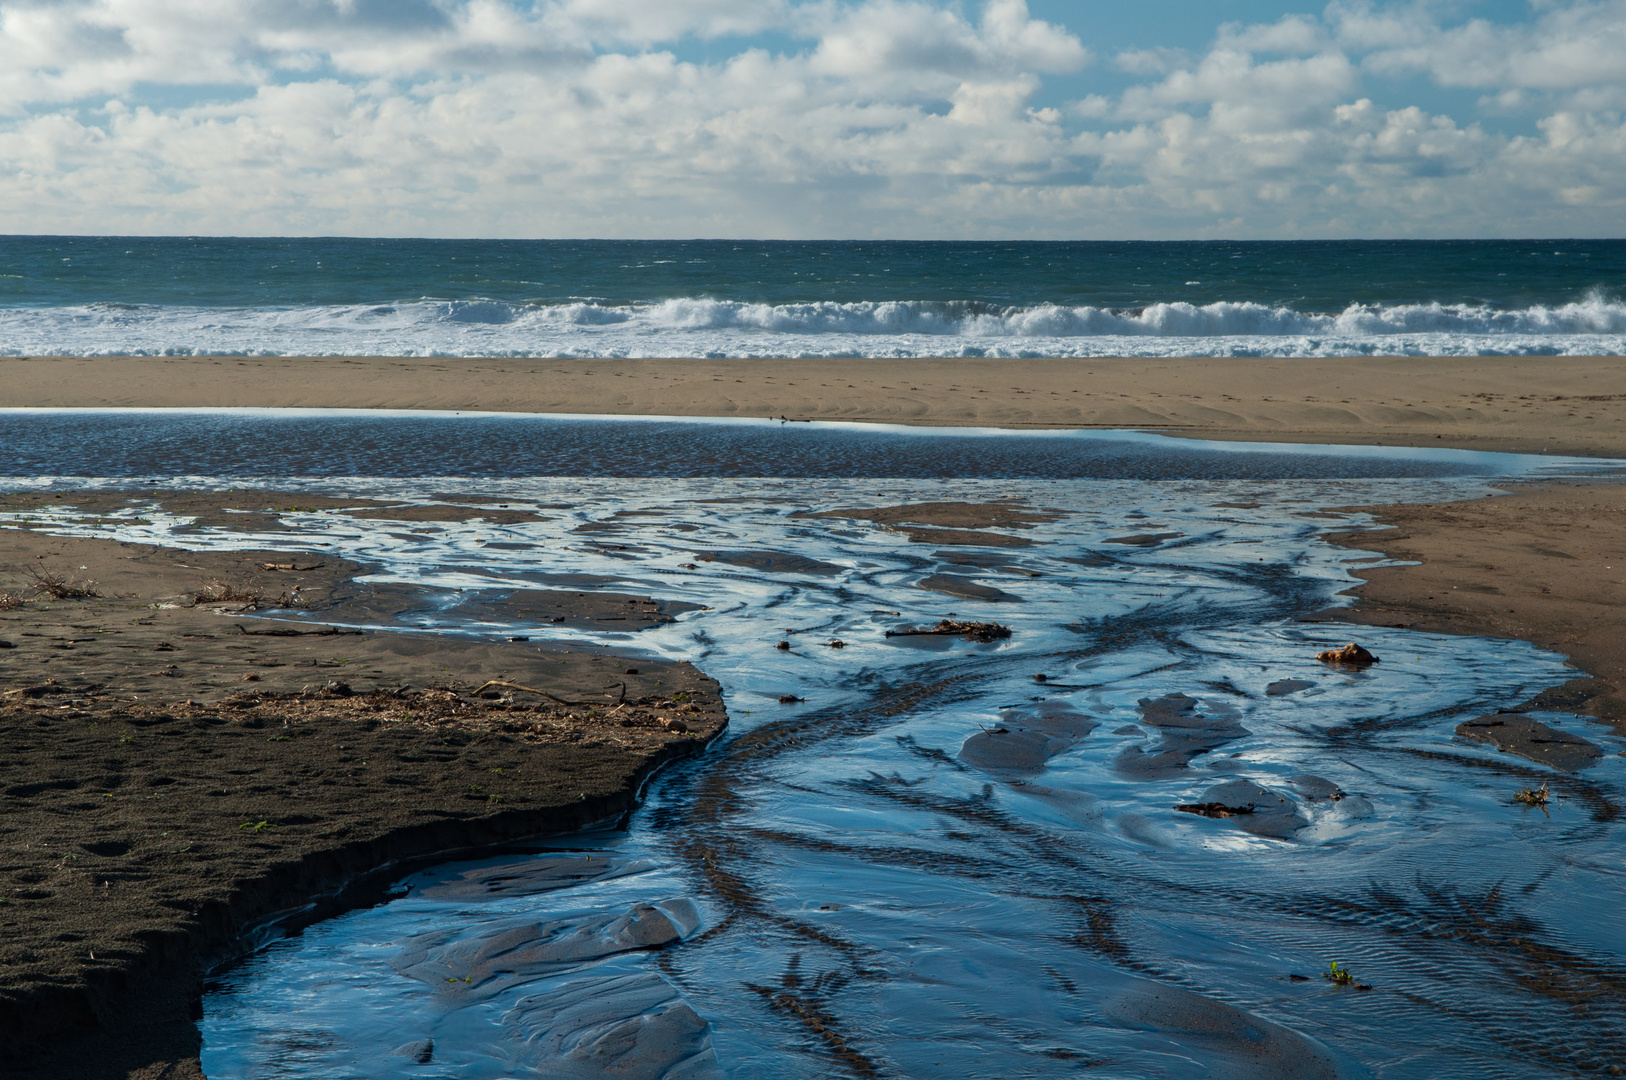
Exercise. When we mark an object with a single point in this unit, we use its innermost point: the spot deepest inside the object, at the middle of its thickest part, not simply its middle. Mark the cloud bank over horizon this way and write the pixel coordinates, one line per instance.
(804, 118)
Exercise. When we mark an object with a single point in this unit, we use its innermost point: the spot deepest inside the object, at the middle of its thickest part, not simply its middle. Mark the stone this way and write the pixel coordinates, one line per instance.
(1351, 655)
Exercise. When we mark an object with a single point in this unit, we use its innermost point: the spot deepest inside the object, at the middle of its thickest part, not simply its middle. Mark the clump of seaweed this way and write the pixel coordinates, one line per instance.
(1351, 655)
(971, 631)
(1533, 796)
(1342, 976)
(60, 586)
(1214, 809)
(8, 601)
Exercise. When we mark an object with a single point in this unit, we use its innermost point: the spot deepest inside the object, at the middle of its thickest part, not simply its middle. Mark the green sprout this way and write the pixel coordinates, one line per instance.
(1342, 976)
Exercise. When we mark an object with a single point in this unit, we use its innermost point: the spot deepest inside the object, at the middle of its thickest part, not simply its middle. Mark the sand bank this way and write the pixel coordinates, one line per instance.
(1546, 564)
(1558, 405)
(177, 768)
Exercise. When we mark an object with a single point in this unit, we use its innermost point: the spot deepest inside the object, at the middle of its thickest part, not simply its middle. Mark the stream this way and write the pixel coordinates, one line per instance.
(937, 864)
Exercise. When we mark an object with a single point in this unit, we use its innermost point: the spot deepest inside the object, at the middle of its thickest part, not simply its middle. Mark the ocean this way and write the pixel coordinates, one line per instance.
(885, 299)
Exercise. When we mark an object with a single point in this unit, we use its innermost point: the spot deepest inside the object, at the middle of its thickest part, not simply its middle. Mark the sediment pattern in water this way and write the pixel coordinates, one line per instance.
(937, 865)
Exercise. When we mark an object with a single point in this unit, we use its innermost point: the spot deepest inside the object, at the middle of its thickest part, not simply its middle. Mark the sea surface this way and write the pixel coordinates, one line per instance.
(936, 864)
(583, 298)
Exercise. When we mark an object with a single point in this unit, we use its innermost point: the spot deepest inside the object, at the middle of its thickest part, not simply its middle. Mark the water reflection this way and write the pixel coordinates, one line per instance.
(940, 866)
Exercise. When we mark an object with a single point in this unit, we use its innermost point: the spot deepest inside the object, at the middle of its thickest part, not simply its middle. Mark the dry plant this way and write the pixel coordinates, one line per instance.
(60, 586)
(250, 596)
(219, 592)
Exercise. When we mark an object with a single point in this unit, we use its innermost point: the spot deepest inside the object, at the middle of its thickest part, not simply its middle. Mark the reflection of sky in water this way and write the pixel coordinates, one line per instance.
(293, 442)
(869, 901)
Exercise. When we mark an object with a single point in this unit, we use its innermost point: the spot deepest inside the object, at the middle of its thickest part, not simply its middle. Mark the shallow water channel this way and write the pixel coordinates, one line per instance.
(937, 865)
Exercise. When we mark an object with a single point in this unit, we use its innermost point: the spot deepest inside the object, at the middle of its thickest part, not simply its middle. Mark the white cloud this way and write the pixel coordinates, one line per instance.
(1159, 61)
(883, 117)
(1568, 46)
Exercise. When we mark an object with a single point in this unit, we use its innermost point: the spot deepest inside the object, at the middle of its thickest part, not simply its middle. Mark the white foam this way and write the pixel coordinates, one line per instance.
(1594, 325)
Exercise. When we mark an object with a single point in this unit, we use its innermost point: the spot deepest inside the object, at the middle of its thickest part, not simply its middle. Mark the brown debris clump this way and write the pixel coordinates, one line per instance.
(971, 631)
(1351, 655)
(1214, 809)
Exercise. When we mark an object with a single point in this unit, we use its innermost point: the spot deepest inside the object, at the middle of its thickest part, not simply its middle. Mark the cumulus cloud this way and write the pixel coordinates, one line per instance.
(812, 117)
(1566, 46)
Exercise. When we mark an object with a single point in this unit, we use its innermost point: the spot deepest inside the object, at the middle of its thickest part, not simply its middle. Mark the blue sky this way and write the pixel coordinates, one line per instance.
(825, 118)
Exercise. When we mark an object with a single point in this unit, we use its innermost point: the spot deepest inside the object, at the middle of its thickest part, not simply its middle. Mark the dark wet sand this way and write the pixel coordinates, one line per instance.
(1545, 564)
(173, 774)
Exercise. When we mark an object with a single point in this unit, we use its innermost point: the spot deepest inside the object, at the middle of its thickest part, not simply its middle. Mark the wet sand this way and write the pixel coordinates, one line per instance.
(177, 769)
(1545, 404)
(1538, 565)
(1546, 564)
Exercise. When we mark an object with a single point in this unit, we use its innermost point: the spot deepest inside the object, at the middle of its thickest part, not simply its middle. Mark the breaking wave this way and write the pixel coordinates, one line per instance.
(705, 327)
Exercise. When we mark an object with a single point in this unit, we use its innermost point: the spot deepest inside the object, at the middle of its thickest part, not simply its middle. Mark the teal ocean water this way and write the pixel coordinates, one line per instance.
(333, 296)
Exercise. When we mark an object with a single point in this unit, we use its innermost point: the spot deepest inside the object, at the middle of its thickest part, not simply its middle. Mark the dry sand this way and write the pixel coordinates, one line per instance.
(1558, 405)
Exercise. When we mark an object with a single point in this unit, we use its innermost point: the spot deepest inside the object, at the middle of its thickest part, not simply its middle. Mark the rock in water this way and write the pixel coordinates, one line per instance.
(1351, 655)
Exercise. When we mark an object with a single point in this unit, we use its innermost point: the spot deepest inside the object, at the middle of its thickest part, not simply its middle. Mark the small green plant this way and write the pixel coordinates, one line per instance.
(256, 826)
(1338, 976)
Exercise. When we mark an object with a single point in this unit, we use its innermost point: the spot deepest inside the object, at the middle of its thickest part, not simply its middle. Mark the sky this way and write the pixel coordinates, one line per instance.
(830, 119)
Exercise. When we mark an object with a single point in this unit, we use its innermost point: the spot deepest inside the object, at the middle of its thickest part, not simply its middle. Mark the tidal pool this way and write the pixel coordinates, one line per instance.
(939, 866)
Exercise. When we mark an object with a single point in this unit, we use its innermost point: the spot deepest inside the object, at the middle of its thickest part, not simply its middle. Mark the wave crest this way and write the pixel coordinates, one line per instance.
(700, 326)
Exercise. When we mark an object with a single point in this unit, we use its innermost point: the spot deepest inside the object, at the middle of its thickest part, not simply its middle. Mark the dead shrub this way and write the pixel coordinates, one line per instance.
(220, 592)
(60, 586)
(249, 596)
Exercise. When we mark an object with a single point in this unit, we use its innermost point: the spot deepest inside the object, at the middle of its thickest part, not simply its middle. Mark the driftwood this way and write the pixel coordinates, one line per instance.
(971, 631)
(332, 631)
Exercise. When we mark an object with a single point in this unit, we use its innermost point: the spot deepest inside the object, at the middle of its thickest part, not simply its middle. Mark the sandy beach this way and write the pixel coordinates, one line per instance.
(1544, 404)
(155, 690)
